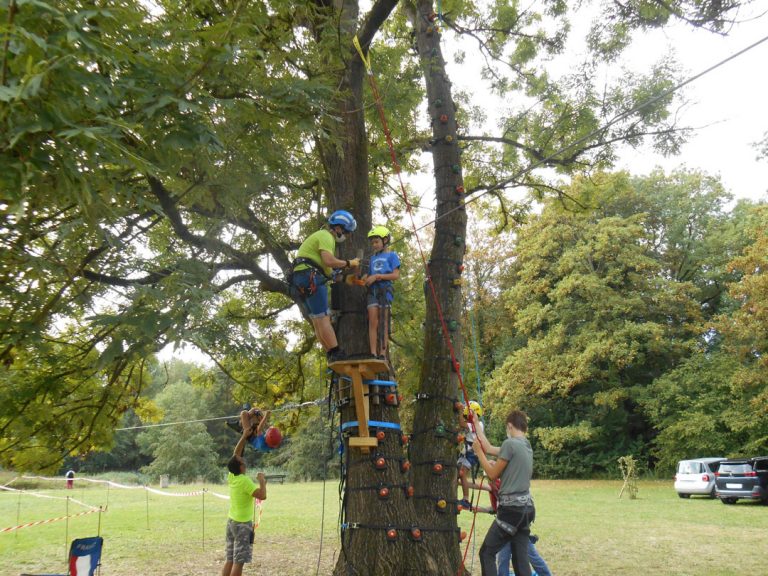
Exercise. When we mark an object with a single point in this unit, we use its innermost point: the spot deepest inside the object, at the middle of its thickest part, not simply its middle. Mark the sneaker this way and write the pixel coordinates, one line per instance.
(235, 425)
(336, 356)
(465, 504)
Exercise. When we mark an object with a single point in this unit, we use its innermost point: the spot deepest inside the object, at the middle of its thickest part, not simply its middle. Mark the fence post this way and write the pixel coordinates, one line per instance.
(66, 534)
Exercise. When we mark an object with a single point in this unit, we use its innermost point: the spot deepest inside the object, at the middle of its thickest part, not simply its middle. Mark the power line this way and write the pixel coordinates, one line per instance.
(594, 132)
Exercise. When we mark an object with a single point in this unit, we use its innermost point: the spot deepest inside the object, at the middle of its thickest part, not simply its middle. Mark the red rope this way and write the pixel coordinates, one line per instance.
(472, 528)
(438, 308)
(396, 165)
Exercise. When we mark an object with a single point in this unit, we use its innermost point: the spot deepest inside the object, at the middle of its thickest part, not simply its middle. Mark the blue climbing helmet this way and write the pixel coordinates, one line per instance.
(344, 219)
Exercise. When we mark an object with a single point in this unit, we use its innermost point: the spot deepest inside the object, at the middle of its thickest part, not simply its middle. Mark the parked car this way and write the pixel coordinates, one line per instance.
(697, 476)
(743, 478)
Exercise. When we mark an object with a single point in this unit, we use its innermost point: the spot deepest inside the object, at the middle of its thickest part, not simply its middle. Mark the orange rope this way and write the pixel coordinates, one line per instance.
(472, 528)
(396, 166)
(444, 326)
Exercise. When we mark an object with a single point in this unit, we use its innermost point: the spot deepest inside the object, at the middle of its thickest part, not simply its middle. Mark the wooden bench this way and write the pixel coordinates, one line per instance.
(275, 477)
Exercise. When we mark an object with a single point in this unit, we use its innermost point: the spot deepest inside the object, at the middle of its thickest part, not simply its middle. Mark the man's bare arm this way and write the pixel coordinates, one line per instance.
(241, 444)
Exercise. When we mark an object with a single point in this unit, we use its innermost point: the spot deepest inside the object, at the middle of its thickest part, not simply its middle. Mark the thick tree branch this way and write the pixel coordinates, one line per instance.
(212, 245)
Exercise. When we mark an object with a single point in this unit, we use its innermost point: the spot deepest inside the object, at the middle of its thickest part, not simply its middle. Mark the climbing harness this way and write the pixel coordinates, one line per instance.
(314, 271)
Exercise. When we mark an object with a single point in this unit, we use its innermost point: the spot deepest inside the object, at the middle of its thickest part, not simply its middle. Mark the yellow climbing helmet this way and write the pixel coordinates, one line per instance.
(380, 232)
(476, 408)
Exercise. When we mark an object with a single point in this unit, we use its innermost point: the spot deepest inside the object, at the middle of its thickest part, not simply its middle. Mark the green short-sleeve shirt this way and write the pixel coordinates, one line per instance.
(241, 489)
(311, 247)
(516, 477)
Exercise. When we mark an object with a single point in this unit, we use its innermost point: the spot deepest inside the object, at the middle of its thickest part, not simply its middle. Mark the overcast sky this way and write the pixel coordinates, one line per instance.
(728, 105)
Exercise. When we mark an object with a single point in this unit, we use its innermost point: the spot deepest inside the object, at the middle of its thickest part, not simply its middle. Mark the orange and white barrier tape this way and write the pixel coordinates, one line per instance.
(161, 493)
(40, 522)
(222, 496)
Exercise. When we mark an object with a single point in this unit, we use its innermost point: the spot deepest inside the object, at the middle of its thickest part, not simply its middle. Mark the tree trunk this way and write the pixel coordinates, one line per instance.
(377, 495)
(435, 438)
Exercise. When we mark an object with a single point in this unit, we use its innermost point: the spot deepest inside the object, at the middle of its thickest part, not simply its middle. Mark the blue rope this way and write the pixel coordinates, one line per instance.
(371, 424)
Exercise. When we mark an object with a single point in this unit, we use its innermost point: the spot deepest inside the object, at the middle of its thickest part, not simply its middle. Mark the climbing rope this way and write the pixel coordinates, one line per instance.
(398, 172)
(438, 308)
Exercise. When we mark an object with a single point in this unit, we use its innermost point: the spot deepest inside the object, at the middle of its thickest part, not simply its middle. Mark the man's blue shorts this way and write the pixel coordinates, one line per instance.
(317, 303)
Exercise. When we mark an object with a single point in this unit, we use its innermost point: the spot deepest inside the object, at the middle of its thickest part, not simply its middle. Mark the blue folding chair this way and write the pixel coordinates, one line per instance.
(84, 557)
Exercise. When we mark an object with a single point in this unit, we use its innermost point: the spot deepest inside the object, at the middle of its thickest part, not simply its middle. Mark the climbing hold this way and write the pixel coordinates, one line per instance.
(453, 325)
(430, 30)
(410, 492)
(438, 103)
(405, 466)
(460, 189)
(457, 282)
(380, 435)
(458, 240)
(457, 406)
(459, 438)
(437, 468)
(432, 17)
(380, 463)
(404, 439)
(455, 168)
(439, 430)
(441, 504)
(463, 536)
(415, 534)
(460, 268)
(391, 399)
(383, 492)
(449, 139)
(443, 118)
(391, 534)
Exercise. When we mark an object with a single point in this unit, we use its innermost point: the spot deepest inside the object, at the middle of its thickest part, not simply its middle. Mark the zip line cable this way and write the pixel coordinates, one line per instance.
(588, 136)
(294, 406)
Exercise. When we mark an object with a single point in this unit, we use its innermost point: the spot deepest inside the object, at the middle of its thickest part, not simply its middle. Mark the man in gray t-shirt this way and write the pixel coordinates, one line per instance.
(516, 482)
(514, 467)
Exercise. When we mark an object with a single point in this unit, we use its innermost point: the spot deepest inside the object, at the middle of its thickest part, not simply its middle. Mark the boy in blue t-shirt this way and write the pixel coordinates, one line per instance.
(384, 267)
(254, 423)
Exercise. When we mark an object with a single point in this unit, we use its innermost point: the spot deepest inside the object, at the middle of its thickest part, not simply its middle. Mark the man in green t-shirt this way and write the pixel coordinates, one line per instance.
(515, 511)
(312, 269)
(242, 491)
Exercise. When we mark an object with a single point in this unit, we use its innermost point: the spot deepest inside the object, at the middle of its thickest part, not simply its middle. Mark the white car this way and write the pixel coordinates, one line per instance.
(696, 476)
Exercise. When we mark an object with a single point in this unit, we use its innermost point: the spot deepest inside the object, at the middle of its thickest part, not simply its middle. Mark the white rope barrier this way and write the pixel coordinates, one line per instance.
(39, 495)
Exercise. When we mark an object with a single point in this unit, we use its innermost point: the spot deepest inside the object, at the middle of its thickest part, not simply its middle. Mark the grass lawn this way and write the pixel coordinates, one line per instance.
(585, 530)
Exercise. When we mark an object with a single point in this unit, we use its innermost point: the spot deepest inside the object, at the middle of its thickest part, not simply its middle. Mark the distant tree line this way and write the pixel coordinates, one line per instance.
(628, 317)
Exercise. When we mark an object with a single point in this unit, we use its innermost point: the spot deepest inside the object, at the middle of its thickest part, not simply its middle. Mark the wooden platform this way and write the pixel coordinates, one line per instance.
(367, 367)
(358, 370)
